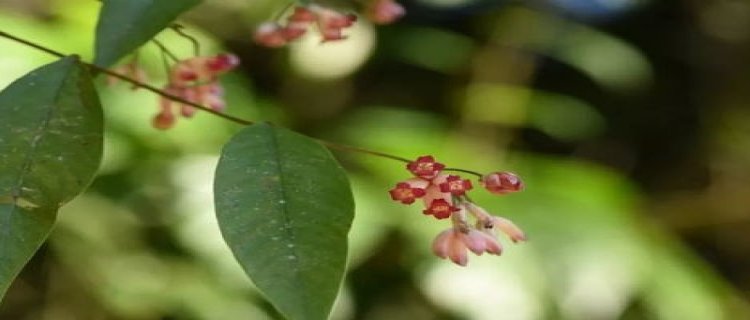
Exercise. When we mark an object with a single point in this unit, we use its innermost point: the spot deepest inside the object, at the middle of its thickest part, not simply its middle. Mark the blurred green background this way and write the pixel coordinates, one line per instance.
(627, 119)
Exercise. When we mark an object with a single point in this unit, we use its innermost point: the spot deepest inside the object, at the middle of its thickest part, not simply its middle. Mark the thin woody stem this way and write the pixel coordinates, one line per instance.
(277, 17)
(136, 83)
(196, 45)
(464, 171)
(129, 80)
(342, 147)
(164, 50)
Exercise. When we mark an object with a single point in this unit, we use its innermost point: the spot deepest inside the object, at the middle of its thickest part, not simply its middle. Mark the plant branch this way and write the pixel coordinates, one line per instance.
(342, 147)
(164, 94)
(464, 171)
(129, 80)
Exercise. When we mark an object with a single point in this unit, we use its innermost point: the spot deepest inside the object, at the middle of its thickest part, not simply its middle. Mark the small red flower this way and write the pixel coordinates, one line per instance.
(502, 182)
(425, 167)
(455, 185)
(405, 193)
(441, 209)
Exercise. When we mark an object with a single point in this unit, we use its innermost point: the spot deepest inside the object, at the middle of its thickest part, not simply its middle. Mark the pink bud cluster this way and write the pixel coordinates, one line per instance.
(444, 196)
(195, 80)
(329, 23)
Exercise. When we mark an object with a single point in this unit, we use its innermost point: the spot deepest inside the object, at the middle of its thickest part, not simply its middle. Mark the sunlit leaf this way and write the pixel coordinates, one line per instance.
(125, 25)
(50, 148)
(285, 207)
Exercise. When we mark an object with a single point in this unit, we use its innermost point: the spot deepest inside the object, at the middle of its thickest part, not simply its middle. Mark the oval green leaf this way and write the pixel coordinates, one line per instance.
(284, 206)
(50, 146)
(125, 25)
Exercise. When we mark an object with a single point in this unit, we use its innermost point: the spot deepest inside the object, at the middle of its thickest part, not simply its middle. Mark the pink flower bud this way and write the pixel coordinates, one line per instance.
(187, 111)
(442, 243)
(270, 34)
(339, 20)
(331, 23)
(479, 242)
(454, 243)
(457, 251)
(332, 34)
(302, 14)
(214, 102)
(163, 121)
(509, 228)
(492, 224)
(222, 62)
(294, 30)
(502, 182)
(384, 11)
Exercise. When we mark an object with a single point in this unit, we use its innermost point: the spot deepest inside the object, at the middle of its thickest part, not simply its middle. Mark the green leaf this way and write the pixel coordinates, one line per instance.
(125, 25)
(50, 147)
(285, 207)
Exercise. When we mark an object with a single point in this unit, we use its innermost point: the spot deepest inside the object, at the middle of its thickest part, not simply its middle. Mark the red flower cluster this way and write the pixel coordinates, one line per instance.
(445, 196)
(330, 23)
(195, 80)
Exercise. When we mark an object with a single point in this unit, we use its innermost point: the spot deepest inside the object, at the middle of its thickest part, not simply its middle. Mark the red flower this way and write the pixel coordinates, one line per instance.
(502, 182)
(405, 193)
(455, 185)
(440, 208)
(425, 167)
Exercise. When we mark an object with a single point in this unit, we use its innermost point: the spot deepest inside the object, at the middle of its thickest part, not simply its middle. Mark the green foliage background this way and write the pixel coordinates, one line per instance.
(631, 134)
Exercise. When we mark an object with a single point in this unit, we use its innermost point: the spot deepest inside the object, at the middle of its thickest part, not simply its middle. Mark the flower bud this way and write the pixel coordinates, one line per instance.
(163, 121)
(222, 62)
(502, 182)
(384, 11)
(271, 35)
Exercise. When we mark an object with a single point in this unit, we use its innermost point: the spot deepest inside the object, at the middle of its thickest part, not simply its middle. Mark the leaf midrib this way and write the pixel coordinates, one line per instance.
(285, 213)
